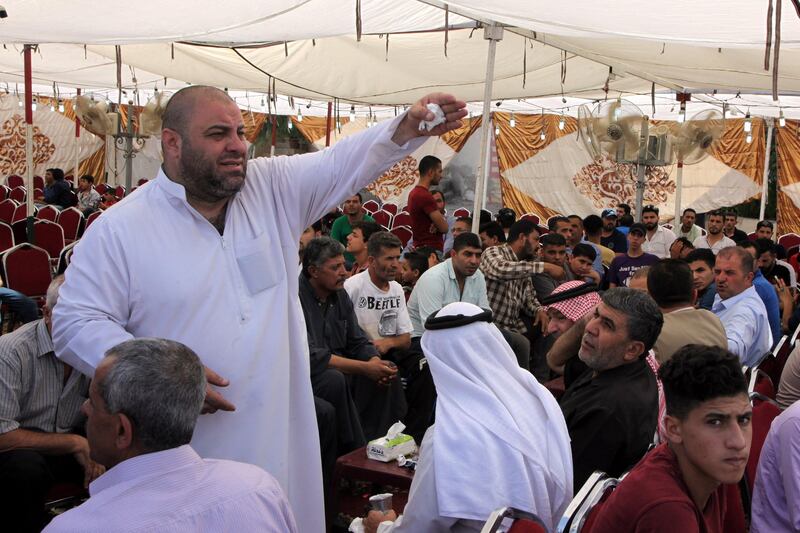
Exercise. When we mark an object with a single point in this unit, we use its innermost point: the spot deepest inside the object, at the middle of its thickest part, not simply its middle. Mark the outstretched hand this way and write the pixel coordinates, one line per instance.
(454, 110)
(214, 400)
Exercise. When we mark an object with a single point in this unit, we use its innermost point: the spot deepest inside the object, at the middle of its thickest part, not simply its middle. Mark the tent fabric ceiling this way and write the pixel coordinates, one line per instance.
(679, 45)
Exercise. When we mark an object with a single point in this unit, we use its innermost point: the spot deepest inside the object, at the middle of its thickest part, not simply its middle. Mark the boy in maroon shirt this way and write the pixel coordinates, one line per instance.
(679, 486)
(428, 225)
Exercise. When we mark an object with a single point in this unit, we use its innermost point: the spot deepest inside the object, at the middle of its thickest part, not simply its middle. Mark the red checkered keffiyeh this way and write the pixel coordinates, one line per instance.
(574, 308)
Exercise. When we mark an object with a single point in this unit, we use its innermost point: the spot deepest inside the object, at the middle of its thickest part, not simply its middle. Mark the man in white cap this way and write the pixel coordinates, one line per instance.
(500, 438)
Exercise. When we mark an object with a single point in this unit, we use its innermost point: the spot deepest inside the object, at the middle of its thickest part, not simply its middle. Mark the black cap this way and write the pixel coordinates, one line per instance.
(639, 228)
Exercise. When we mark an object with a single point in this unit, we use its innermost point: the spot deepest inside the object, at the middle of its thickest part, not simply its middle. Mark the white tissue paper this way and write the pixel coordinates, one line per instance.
(393, 445)
(437, 119)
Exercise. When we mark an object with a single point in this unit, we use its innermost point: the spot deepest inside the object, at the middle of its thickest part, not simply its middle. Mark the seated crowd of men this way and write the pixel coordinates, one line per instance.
(648, 327)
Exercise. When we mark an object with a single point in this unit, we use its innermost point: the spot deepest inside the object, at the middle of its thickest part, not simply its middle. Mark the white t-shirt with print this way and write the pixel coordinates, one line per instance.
(380, 313)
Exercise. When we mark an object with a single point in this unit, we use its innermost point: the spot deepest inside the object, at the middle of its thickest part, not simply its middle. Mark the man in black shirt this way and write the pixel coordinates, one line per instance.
(611, 237)
(768, 263)
(730, 230)
(612, 409)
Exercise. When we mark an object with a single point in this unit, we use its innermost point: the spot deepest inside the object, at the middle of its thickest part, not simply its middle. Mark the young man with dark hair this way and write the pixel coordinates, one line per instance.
(593, 228)
(765, 290)
(623, 210)
(461, 225)
(679, 486)
(413, 265)
(680, 248)
(576, 223)
(768, 263)
(688, 229)
(714, 239)
(491, 235)
(580, 263)
(561, 225)
(343, 226)
(57, 190)
(611, 237)
(506, 218)
(623, 266)
(766, 229)
(612, 409)
(670, 284)
(428, 225)
(701, 262)
(658, 239)
(88, 198)
(357, 244)
(730, 230)
(553, 251)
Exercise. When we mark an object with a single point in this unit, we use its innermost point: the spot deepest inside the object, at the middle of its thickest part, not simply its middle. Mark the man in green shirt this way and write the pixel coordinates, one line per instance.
(343, 226)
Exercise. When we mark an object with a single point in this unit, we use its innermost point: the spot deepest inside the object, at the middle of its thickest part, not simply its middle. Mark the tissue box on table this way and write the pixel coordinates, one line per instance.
(393, 445)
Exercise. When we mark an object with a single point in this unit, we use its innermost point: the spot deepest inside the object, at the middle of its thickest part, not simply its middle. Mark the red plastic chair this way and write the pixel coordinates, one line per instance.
(530, 216)
(92, 218)
(390, 208)
(7, 208)
(70, 178)
(48, 212)
(65, 257)
(27, 269)
(142, 181)
(789, 240)
(773, 363)
(49, 236)
(18, 194)
(461, 212)
(71, 220)
(21, 213)
(6, 237)
(520, 521)
(38, 182)
(384, 218)
(403, 233)
(764, 412)
(38, 193)
(100, 188)
(119, 192)
(402, 219)
(4, 192)
(371, 206)
(15, 180)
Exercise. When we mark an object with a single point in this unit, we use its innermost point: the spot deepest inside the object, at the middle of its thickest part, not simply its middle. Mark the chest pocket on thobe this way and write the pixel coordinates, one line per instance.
(261, 267)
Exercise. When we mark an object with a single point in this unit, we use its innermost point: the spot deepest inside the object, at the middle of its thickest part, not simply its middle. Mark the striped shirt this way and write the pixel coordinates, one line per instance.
(33, 394)
(176, 490)
(509, 286)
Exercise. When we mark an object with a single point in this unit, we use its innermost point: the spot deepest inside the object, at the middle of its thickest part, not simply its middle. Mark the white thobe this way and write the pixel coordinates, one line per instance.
(152, 266)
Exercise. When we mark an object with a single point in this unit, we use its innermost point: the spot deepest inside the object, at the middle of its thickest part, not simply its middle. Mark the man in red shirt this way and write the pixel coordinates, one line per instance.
(679, 486)
(428, 224)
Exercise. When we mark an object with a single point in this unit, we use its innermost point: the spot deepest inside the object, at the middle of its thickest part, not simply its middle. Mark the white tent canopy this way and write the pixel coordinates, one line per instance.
(679, 45)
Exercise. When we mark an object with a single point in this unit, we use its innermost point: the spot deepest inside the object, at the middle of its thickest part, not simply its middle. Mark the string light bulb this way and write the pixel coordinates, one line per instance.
(352, 113)
(52, 106)
(299, 114)
(289, 123)
(749, 138)
(682, 113)
(33, 105)
(513, 121)
(542, 136)
(263, 104)
(497, 131)
(562, 123)
(781, 120)
(748, 123)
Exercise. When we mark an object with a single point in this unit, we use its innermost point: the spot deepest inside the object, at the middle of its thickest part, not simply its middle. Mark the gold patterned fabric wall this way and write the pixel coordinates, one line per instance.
(788, 152)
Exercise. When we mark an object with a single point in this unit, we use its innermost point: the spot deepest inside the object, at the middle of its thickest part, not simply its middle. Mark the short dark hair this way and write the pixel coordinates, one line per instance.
(702, 254)
(484, 217)
(685, 242)
(552, 239)
(765, 224)
(716, 213)
(669, 282)
(506, 217)
(89, 178)
(747, 244)
(689, 209)
(428, 163)
(522, 227)
(380, 241)
(57, 173)
(360, 198)
(440, 193)
(626, 220)
(552, 224)
(493, 229)
(319, 250)
(426, 251)
(466, 240)
(583, 249)
(764, 245)
(570, 217)
(649, 209)
(732, 213)
(417, 261)
(644, 316)
(697, 374)
(626, 208)
(592, 225)
(468, 220)
(368, 229)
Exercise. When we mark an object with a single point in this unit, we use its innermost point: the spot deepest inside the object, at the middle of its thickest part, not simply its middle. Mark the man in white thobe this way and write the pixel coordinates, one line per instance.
(208, 258)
